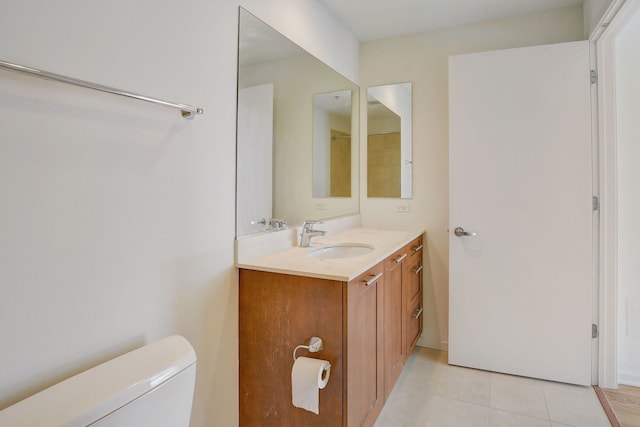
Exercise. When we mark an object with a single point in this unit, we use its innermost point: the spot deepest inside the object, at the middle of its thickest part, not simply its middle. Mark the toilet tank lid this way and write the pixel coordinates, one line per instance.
(92, 394)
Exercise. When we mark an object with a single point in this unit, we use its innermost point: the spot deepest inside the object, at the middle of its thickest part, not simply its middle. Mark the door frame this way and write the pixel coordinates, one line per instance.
(602, 42)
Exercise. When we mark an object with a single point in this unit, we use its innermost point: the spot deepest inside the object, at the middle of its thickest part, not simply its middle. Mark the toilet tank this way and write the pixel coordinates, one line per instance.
(150, 386)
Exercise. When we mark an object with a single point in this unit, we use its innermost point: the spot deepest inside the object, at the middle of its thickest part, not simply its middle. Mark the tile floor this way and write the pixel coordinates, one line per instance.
(430, 393)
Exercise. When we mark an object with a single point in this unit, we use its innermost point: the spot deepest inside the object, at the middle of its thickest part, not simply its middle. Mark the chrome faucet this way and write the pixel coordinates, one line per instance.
(308, 232)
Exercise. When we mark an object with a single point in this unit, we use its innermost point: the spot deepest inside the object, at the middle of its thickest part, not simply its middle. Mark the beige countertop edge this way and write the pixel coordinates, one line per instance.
(294, 261)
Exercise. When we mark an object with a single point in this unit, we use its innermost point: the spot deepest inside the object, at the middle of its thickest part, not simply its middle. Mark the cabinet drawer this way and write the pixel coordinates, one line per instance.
(397, 258)
(416, 245)
(414, 322)
(371, 277)
(413, 275)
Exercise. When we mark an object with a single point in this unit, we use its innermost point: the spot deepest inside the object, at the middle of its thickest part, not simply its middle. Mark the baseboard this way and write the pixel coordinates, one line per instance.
(434, 344)
(625, 378)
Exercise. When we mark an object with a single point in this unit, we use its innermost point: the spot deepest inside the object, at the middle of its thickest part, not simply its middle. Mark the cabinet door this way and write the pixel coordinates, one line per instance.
(365, 384)
(277, 312)
(394, 349)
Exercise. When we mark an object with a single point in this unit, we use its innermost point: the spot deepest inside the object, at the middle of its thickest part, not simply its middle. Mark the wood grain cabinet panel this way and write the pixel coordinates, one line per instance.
(277, 313)
(368, 325)
(364, 348)
(414, 323)
(394, 344)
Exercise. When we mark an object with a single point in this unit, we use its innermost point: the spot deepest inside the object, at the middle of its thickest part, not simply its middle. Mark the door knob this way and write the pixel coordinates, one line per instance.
(459, 231)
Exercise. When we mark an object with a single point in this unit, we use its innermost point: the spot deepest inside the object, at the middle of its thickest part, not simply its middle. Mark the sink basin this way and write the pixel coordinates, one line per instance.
(340, 250)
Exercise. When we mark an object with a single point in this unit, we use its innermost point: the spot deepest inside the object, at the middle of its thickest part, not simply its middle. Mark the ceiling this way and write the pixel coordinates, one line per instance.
(379, 19)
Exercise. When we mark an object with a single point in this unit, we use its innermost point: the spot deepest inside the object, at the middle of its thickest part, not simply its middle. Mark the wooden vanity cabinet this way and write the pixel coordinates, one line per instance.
(369, 327)
(412, 286)
(278, 312)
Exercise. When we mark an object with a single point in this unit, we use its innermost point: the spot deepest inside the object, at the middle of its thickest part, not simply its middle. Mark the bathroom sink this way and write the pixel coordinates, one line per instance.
(340, 250)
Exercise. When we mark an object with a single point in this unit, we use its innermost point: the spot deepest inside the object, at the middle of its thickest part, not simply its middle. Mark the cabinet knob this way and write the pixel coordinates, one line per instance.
(417, 248)
(417, 313)
(417, 270)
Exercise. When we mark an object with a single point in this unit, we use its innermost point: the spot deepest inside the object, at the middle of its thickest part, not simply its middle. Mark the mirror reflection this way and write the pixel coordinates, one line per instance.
(389, 140)
(284, 96)
(332, 144)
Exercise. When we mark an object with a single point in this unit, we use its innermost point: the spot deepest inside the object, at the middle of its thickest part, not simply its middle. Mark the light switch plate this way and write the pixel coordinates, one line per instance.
(402, 207)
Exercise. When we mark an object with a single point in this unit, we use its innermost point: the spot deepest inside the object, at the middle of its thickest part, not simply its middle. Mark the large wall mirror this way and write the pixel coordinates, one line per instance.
(297, 136)
(389, 140)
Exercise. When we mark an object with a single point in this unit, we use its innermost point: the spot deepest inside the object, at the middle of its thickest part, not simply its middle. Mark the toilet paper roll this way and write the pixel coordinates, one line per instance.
(308, 376)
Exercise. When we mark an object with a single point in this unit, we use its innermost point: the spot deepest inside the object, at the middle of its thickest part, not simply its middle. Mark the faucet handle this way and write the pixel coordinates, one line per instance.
(278, 224)
(308, 224)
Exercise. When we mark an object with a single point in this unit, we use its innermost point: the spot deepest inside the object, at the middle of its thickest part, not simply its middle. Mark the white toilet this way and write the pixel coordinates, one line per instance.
(148, 387)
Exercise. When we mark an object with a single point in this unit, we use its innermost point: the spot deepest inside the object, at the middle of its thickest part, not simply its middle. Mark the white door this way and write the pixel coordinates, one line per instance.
(255, 148)
(520, 297)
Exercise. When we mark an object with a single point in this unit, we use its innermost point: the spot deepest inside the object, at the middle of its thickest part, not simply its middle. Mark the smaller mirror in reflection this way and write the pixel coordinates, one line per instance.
(332, 144)
(389, 153)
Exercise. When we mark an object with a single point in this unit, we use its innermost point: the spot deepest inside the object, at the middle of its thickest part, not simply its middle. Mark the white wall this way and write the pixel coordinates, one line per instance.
(117, 216)
(594, 10)
(422, 60)
(628, 145)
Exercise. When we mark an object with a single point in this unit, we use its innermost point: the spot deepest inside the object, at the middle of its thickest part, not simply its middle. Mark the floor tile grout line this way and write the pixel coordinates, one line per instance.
(546, 402)
(462, 400)
(490, 407)
(525, 415)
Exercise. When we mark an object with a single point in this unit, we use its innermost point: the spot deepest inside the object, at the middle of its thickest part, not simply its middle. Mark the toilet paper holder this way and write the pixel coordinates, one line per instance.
(315, 345)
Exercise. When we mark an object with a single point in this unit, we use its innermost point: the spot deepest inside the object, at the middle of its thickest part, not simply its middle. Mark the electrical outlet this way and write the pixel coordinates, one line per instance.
(402, 207)
(320, 206)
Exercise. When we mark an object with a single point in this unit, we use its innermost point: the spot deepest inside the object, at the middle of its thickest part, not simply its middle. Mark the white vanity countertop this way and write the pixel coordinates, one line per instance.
(295, 261)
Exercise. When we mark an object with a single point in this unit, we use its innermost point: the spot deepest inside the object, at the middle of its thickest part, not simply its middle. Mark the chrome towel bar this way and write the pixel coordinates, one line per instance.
(187, 111)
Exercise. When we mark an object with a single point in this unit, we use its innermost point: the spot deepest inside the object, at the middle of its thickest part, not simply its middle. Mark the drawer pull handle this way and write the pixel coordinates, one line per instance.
(417, 248)
(418, 313)
(372, 280)
(417, 270)
(401, 258)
